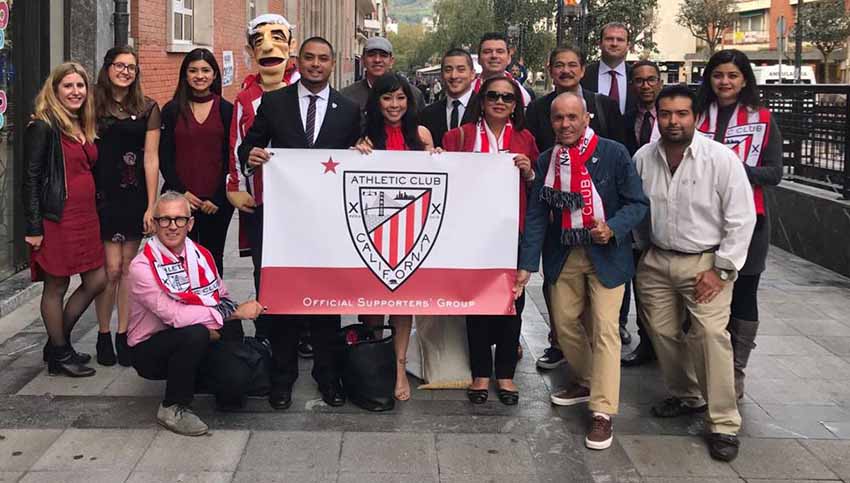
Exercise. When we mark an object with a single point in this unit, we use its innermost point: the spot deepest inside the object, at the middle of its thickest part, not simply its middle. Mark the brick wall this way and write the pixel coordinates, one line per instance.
(160, 69)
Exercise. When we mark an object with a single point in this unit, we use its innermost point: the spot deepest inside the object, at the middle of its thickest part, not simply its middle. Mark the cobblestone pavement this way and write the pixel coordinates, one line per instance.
(796, 414)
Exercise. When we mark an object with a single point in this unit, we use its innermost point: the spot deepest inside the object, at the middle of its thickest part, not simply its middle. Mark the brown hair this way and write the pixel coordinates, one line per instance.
(49, 108)
(134, 103)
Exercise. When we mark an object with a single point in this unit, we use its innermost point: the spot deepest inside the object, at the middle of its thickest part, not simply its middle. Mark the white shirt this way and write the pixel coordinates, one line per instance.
(321, 107)
(707, 203)
(622, 82)
(461, 109)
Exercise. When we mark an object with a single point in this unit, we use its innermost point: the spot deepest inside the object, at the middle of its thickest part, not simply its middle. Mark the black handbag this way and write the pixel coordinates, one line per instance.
(233, 369)
(368, 370)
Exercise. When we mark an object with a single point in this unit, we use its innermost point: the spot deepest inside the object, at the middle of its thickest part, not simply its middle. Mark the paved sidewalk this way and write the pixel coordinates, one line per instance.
(796, 414)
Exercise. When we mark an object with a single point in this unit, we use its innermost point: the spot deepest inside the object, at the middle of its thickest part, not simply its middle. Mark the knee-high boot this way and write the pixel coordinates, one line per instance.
(743, 334)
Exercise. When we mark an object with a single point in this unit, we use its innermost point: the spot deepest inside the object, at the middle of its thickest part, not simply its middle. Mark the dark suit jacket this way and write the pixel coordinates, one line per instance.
(278, 122)
(591, 81)
(538, 122)
(434, 118)
(616, 179)
(632, 142)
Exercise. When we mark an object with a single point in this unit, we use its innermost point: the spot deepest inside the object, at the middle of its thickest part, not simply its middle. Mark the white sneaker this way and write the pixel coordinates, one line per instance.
(181, 420)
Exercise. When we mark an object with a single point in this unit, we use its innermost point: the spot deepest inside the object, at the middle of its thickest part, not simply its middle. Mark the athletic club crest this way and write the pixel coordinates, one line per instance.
(394, 219)
(747, 141)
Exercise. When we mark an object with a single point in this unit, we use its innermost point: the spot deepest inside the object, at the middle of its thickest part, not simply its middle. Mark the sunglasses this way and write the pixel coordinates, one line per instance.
(507, 98)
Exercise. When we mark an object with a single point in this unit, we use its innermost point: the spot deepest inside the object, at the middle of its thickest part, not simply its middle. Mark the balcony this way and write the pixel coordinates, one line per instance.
(365, 7)
(745, 38)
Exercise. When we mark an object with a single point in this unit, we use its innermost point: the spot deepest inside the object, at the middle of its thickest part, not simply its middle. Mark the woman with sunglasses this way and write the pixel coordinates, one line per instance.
(730, 112)
(194, 149)
(62, 226)
(126, 177)
(391, 125)
(500, 128)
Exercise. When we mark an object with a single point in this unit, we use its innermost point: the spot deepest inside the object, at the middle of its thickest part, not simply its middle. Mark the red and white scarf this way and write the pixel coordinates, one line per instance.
(195, 283)
(746, 134)
(486, 141)
(568, 187)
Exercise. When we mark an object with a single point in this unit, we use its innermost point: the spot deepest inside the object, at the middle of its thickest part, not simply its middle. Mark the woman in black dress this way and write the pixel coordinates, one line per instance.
(126, 177)
(195, 149)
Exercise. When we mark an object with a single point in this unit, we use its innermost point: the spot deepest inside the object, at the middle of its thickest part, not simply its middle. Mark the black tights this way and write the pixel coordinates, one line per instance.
(745, 297)
(58, 320)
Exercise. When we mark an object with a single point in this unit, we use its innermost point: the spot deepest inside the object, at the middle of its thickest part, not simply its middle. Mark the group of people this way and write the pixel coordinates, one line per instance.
(624, 183)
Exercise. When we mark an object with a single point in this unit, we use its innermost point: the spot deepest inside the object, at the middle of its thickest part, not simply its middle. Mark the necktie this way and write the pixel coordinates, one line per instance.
(645, 129)
(311, 121)
(614, 93)
(455, 121)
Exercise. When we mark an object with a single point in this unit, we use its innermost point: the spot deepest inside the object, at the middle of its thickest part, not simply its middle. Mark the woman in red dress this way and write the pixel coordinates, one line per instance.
(391, 126)
(63, 229)
(499, 128)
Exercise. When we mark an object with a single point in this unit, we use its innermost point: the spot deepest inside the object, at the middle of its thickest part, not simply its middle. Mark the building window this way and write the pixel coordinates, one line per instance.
(751, 23)
(257, 7)
(183, 22)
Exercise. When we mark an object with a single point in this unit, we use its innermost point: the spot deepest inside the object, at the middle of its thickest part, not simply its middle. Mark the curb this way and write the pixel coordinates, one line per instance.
(16, 291)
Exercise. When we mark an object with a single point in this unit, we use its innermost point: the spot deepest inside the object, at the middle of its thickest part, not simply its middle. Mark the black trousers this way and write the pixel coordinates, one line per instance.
(502, 330)
(745, 297)
(627, 296)
(174, 355)
(211, 232)
(283, 331)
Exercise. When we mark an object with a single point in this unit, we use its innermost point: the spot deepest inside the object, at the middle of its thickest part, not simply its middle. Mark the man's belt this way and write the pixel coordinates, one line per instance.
(677, 252)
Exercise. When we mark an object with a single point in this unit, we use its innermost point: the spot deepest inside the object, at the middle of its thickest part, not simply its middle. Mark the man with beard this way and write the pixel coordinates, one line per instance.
(378, 60)
(458, 73)
(612, 76)
(587, 189)
(701, 220)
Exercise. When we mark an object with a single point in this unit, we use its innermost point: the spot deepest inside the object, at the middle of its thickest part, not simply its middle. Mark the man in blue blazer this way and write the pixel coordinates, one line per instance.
(591, 187)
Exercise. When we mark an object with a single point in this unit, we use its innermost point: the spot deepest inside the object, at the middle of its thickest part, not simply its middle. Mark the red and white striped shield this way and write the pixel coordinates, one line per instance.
(394, 220)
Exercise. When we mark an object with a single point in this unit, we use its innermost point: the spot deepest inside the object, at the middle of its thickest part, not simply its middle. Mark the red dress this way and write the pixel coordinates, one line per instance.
(73, 244)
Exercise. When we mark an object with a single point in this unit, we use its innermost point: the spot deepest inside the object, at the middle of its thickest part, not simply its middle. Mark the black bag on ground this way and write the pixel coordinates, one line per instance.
(233, 369)
(368, 367)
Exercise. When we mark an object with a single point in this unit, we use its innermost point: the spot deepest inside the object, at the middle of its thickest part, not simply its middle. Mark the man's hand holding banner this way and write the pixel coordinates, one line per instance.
(389, 233)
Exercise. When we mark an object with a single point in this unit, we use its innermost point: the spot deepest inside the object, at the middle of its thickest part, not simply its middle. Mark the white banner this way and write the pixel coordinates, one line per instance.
(389, 233)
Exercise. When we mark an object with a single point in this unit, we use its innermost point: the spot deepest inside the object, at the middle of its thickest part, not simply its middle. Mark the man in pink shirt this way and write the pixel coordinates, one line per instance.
(178, 303)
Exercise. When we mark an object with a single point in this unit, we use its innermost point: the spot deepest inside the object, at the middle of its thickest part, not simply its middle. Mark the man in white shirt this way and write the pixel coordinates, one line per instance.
(457, 73)
(701, 220)
(611, 76)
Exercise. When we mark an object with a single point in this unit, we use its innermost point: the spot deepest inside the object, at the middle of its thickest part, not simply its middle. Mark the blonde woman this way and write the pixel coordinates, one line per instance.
(59, 199)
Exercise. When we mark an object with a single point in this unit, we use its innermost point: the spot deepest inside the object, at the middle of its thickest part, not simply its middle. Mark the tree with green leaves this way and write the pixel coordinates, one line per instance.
(826, 25)
(707, 19)
(406, 46)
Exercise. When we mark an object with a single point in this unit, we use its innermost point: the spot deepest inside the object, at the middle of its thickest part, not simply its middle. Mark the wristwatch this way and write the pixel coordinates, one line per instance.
(723, 274)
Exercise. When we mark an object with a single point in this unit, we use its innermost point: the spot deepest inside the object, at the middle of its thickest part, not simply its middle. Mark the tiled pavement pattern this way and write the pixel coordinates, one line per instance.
(796, 415)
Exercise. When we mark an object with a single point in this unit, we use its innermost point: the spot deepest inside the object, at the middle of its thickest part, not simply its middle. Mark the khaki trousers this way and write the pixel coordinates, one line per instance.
(696, 366)
(594, 353)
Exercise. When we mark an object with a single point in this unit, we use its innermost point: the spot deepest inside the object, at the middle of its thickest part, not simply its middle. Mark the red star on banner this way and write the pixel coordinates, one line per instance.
(330, 166)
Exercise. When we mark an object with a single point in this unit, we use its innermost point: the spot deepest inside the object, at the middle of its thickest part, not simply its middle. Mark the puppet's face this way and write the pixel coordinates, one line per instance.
(270, 46)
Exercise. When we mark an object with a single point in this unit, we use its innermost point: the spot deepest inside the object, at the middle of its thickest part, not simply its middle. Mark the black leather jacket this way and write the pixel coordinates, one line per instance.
(44, 176)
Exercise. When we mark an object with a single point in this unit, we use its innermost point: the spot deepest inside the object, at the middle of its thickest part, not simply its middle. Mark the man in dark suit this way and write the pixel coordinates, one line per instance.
(308, 114)
(612, 76)
(566, 68)
(452, 111)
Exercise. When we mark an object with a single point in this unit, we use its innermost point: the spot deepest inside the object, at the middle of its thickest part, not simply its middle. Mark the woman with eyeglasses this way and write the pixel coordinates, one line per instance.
(126, 177)
(730, 111)
(391, 125)
(194, 149)
(62, 226)
(499, 128)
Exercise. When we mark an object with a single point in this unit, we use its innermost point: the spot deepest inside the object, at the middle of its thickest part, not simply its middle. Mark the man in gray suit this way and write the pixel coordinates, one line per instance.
(378, 60)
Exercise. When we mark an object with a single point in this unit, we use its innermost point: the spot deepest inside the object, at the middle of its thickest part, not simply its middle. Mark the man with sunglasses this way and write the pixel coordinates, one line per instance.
(178, 303)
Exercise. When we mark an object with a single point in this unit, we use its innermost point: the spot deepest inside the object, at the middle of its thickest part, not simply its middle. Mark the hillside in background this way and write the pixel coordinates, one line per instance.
(411, 11)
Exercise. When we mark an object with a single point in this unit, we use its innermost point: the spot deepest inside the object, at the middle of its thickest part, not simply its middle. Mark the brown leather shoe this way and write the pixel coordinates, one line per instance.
(574, 394)
(601, 433)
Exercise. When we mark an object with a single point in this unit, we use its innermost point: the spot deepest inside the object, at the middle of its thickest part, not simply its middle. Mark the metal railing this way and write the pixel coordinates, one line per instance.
(815, 125)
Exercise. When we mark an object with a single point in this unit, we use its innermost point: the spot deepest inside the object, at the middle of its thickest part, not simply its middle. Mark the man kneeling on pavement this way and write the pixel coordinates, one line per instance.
(591, 185)
(178, 304)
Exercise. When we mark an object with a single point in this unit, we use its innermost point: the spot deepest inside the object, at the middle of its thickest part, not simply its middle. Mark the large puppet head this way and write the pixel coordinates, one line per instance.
(269, 40)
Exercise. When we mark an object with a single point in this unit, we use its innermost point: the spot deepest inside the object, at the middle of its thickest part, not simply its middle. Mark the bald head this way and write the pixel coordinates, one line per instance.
(569, 118)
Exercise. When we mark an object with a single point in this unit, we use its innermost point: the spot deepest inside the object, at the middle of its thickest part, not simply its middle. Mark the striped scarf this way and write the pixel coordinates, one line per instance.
(568, 187)
(486, 141)
(200, 286)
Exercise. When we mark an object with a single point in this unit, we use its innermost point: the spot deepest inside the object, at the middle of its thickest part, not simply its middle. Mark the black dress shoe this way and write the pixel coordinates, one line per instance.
(305, 350)
(63, 361)
(80, 357)
(642, 354)
(477, 396)
(723, 447)
(333, 396)
(625, 336)
(674, 407)
(508, 398)
(280, 399)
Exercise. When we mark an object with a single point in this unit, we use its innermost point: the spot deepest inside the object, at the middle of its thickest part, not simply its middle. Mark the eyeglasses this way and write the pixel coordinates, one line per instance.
(650, 81)
(121, 66)
(507, 97)
(179, 221)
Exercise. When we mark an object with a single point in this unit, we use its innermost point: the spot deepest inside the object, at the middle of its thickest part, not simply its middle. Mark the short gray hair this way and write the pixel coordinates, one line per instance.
(172, 196)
